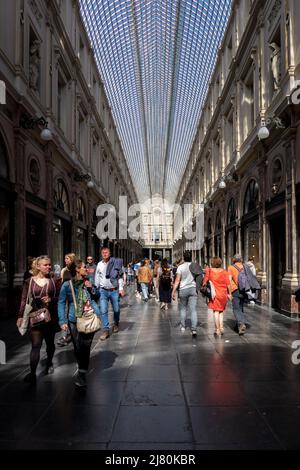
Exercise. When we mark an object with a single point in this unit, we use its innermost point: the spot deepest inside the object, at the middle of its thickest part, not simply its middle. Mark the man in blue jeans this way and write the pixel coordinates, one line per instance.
(187, 294)
(237, 300)
(109, 280)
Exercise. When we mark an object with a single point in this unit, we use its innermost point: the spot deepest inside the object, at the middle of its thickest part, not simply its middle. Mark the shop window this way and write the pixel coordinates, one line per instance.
(34, 175)
(277, 176)
(81, 215)
(231, 215)
(251, 197)
(61, 200)
(81, 243)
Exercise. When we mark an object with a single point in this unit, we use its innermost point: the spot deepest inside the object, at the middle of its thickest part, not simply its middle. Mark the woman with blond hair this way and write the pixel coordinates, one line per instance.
(41, 291)
(65, 272)
(221, 282)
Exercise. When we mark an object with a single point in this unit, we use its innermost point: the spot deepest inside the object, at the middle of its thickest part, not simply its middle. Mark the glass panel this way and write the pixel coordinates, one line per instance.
(156, 59)
(81, 244)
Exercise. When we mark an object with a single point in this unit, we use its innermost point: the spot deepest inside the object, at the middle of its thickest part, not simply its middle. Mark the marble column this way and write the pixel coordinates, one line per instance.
(290, 280)
(263, 245)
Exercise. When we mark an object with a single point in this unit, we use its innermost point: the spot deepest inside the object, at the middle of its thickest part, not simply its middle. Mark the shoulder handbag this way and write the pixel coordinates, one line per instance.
(206, 289)
(88, 323)
(40, 316)
(28, 307)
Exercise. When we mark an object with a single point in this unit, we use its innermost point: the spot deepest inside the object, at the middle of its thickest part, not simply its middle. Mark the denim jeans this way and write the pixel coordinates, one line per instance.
(238, 308)
(105, 297)
(82, 347)
(188, 299)
(145, 289)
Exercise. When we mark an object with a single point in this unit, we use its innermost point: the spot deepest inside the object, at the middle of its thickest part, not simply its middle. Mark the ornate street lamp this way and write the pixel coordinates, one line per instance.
(30, 123)
(80, 177)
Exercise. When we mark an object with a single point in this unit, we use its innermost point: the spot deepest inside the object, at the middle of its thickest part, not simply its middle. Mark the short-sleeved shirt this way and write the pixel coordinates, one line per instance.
(186, 278)
(234, 274)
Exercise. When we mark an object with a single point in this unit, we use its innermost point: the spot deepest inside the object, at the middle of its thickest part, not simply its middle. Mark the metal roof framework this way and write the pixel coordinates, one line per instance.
(156, 58)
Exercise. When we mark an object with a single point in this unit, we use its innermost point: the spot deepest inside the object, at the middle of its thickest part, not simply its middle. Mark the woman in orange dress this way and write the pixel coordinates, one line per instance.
(220, 279)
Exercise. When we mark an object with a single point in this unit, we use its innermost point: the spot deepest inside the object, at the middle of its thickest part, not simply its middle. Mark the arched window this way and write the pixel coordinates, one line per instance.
(219, 222)
(61, 199)
(251, 197)
(231, 214)
(81, 216)
(3, 160)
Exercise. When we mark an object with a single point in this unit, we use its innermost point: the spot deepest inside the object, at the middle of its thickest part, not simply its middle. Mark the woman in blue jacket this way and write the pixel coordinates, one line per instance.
(86, 296)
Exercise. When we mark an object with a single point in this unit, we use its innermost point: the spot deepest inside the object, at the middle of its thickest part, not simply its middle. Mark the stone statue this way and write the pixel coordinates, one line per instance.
(275, 64)
(34, 64)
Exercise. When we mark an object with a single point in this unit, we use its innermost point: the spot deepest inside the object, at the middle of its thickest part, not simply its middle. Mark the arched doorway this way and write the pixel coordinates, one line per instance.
(61, 223)
(250, 223)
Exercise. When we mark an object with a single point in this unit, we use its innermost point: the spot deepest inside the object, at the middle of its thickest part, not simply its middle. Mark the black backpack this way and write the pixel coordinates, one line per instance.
(165, 278)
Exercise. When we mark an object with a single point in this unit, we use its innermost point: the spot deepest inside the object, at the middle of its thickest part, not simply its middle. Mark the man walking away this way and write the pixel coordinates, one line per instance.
(234, 270)
(187, 293)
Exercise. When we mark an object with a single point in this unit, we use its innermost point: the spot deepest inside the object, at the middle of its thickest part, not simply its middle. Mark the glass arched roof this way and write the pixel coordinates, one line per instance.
(156, 58)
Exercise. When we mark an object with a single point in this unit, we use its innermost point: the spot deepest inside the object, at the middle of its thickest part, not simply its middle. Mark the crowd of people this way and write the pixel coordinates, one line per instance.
(75, 300)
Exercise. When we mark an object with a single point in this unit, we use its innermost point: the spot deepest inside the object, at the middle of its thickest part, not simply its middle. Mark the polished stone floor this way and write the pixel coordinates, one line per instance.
(150, 386)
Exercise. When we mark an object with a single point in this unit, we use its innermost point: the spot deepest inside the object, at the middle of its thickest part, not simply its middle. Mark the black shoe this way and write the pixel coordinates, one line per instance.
(62, 342)
(194, 333)
(80, 380)
(49, 370)
(30, 378)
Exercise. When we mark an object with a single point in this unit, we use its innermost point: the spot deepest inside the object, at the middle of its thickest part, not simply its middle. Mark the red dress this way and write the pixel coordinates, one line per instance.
(220, 280)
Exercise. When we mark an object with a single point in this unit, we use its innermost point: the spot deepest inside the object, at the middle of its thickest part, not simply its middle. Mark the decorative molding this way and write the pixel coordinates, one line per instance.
(36, 11)
(274, 13)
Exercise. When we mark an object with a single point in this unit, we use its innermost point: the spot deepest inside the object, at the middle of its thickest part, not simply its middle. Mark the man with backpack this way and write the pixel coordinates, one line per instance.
(237, 277)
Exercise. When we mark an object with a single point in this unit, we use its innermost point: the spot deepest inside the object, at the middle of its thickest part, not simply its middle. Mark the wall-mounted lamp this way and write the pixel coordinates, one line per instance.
(79, 177)
(30, 123)
(263, 132)
(222, 183)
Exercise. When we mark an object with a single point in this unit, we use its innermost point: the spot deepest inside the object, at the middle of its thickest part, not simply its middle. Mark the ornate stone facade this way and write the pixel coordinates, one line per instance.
(259, 202)
(50, 71)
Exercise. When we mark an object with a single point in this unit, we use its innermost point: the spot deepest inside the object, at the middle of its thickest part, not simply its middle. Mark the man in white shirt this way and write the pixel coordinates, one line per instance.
(109, 280)
(187, 294)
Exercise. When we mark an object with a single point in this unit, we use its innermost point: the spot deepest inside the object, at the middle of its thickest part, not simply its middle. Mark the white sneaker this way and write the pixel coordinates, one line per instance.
(182, 328)
(162, 305)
